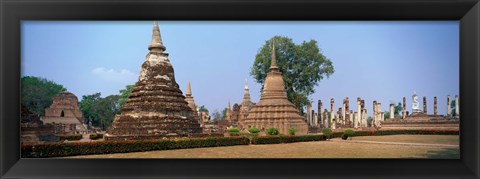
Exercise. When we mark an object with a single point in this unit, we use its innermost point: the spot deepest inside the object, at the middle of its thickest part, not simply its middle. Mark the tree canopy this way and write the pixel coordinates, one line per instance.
(124, 94)
(303, 66)
(100, 111)
(37, 93)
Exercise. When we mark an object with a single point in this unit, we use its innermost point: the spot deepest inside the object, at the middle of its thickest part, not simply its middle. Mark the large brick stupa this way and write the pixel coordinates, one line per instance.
(156, 108)
(274, 109)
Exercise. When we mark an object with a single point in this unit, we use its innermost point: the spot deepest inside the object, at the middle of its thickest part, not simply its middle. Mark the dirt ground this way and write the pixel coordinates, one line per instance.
(439, 146)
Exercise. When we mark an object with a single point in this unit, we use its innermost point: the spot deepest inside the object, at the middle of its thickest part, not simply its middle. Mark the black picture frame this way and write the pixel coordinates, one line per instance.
(14, 11)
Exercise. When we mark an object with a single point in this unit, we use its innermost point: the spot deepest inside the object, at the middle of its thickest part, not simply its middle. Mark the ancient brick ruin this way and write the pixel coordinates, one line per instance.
(274, 109)
(156, 108)
(65, 114)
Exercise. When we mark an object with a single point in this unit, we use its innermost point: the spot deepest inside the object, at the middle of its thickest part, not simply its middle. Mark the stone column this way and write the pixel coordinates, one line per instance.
(380, 112)
(340, 117)
(364, 118)
(309, 114)
(319, 110)
(457, 106)
(315, 120)
(347, 112)
(326, 122)
(382, 116)
(332, 111)
(355, 120)
(425, 105)
(392, 110)
(448, 106)
(343, 112)
(374, 111)
(312, 118)
(435, 112)
(350, 116)
(404, 111)
(364, 114)
(358, 116)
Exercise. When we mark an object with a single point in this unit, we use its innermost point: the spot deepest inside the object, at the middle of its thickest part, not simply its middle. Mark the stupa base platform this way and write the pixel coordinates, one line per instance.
(421, 123)
(159, 136)
(300, 127)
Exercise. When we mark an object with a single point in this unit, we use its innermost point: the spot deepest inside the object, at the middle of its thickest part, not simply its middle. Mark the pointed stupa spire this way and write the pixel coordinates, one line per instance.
(156, 39)
(228, 105)
(273, 65)
(246, 93)
(189, 89)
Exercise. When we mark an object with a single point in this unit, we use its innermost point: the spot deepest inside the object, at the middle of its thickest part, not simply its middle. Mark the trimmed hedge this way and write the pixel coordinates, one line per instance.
(108, 147)
(96, 136)
(69, 136)
(287, 139)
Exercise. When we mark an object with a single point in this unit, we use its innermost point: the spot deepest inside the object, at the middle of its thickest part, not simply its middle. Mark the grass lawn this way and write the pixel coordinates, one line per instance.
(425, 139)
(320, 149)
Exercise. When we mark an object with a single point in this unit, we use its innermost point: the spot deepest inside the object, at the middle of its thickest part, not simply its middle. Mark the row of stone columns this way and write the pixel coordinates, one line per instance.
(347, 118)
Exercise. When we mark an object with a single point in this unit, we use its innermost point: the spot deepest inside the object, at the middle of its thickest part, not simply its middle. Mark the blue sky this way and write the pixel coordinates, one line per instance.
(374, 60)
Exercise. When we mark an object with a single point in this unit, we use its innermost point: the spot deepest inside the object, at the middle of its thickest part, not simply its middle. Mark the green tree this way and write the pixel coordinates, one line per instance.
(397, 109)
(224, 113)
(202, 108)
(124, 94)
(100, 111)
(452, 108)
(105, 109)
(303, 66)
(86, 106)
(37, 93)
(386, 115)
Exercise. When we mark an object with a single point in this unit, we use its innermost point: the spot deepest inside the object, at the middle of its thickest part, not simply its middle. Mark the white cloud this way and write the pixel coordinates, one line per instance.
(114, 75)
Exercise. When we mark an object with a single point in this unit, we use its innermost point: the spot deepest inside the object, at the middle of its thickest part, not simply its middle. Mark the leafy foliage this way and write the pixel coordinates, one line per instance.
(95, 136)
(303, 66)
(124, 94)
(254, 130)
(37, 93)
(327, 132)
(398, 109)
(347, 133)
(287, 139)
(272, 131)
(100, 111)
(292, 131)
(108, 147)
(69, 136)
(202, 108)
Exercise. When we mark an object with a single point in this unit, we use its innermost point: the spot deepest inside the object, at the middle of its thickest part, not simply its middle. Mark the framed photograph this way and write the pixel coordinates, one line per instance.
(240, 89)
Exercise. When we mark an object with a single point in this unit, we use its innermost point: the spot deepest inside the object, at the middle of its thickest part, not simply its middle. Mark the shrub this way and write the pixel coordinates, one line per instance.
(347, 133)
(254, 130)
(272, 131)
(108, 147)
(234, 131)
(63, 137)
(95, 136)
(292, 131)
(327, 132)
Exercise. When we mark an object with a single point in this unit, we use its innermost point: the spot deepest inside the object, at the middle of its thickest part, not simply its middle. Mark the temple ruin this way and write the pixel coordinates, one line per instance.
(274, 110)
(156, 108)
(65, 114)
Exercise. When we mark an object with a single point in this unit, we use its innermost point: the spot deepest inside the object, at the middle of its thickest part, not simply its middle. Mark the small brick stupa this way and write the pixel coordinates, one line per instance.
(274, 109)
(156, 108)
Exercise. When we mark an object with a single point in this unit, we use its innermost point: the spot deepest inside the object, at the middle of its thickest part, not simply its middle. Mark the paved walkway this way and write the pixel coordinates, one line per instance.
(396, 143)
